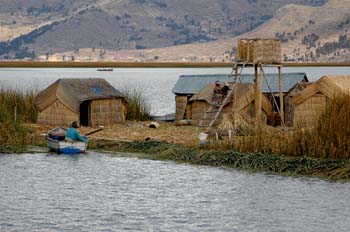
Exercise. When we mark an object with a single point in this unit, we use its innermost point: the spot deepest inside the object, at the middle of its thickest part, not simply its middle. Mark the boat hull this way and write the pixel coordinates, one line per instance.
(66, 147)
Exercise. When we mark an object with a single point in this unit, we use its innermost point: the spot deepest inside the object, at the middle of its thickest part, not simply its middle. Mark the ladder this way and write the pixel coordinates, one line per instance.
(215, 110)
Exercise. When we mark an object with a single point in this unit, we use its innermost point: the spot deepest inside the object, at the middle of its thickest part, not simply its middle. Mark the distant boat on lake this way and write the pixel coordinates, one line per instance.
(105, 69)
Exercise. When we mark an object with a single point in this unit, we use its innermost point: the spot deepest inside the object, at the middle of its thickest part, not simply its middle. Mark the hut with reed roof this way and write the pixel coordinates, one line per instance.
(310, 102)
(244, 106)
(92, 102)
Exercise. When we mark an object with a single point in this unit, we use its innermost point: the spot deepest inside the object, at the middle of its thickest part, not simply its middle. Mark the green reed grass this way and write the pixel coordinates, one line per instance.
(137, 108)
(16, 107)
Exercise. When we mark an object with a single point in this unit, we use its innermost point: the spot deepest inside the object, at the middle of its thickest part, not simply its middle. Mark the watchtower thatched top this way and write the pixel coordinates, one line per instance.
(259, 51)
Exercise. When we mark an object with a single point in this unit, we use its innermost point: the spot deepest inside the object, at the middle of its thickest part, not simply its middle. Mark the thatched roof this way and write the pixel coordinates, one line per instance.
(191, 84)
(297, 88)
(72, 92)
(245, 96)
(330, 86)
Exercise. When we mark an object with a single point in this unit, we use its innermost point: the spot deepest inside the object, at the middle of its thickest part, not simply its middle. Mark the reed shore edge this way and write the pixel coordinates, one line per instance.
(334, 170)
(338, 170)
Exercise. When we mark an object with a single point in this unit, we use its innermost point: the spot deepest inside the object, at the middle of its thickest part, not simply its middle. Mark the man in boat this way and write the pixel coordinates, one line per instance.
(73, 134)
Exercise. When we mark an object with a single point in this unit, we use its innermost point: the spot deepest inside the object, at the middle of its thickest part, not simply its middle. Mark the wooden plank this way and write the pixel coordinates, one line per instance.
(256, 98)
(260, 86)
(280, 81)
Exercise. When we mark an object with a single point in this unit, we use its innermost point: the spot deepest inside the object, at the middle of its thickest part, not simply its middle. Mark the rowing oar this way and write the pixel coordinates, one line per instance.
(94, 131)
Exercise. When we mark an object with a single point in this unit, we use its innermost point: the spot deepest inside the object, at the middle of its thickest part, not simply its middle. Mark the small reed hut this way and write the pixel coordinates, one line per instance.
(310, 102)
(202, 100)
(93, 102)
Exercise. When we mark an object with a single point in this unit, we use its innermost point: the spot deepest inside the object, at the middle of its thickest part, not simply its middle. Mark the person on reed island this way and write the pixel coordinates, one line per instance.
(73, 134)
(217, 93)
(225, 90)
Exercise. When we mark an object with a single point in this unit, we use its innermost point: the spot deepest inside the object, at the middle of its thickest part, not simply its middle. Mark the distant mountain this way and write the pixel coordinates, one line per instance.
(101, 28)
(307, 33)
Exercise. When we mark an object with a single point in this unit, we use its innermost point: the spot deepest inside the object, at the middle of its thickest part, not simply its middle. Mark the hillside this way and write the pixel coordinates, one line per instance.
(45, 27)
(311, 33)
(308, 34)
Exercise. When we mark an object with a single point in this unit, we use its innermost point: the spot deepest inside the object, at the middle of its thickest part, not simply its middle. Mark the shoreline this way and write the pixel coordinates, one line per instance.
(334, 170)
(80, 64)
(331, 170)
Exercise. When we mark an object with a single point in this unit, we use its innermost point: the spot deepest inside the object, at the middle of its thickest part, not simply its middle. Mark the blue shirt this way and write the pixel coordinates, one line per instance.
(74, 135)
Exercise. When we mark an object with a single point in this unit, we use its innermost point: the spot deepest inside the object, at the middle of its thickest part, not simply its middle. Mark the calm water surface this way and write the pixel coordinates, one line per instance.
(155, 83)
(101, 192)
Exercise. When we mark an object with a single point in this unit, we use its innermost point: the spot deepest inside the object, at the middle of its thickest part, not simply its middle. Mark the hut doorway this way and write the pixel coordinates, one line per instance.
(275, 102)
(84, 116)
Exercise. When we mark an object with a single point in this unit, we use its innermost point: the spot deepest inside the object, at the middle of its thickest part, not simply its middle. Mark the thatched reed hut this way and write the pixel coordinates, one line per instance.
(188, 85)
(310, 102)
(244, 106)
(92, 102)
(259, 51)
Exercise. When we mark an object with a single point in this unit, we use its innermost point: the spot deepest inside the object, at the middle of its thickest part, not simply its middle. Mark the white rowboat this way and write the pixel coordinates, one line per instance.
(56, 142)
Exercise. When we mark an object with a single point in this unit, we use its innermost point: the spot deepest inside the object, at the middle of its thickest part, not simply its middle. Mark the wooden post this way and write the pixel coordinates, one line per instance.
(260, 87)
(280, 80)
(235, 92)
(256, 98)
(248, 51)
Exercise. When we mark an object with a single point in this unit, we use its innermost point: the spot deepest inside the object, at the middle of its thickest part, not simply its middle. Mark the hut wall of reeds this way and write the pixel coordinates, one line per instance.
(57, 114)
(288, 102)
(92, 102)
(310, 103)
(107, 112)
(264, 51)
(181, 106)
(307, 113)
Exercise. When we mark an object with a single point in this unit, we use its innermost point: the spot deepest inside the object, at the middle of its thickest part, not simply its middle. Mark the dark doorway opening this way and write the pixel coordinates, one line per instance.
(84, 113)
(274, 102)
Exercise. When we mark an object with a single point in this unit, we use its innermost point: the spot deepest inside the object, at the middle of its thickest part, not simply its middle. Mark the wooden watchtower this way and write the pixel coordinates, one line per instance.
(259, 53)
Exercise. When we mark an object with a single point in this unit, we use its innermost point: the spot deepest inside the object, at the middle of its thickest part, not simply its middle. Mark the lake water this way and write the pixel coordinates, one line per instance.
(104, 192)
(155, 83)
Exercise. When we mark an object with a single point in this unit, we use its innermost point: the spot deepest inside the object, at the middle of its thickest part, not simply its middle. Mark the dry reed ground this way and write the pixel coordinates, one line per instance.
(137, 131)
(272, 141)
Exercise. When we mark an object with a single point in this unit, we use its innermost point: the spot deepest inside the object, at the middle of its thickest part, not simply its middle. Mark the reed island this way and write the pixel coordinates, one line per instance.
(267, 122)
